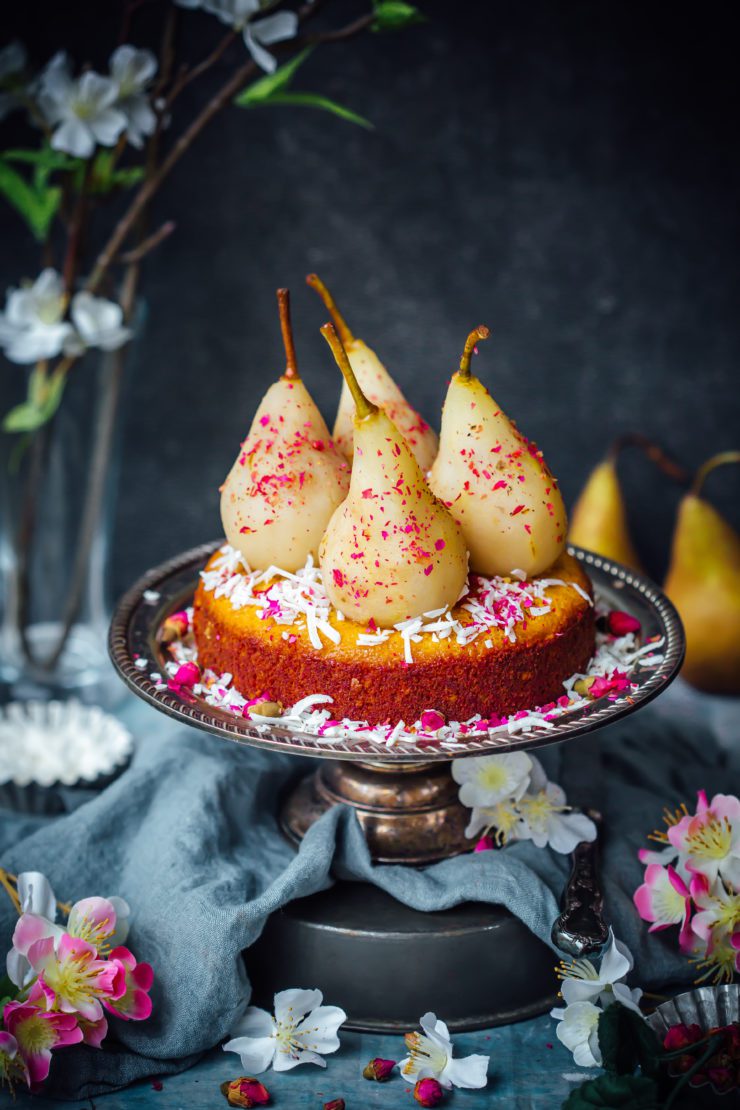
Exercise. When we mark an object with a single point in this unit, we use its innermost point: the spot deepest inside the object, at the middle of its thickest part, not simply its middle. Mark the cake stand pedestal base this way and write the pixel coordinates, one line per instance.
(409, 812)
(475, 965)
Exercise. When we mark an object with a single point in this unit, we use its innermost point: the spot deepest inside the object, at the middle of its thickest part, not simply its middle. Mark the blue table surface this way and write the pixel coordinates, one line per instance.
(529, 1069)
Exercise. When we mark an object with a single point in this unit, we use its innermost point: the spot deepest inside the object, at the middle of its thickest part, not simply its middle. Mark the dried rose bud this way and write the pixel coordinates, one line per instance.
(175, 627)
(619, 623)
(583, 686)
(485, 844)
(431, 720)
(246, 1091)
(428, 1092)
(335, 1104)
(186, 675)
(267, 708)
(379, 1069)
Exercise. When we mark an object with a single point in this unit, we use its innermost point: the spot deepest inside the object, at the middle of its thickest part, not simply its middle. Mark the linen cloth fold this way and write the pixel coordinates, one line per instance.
(188, 835)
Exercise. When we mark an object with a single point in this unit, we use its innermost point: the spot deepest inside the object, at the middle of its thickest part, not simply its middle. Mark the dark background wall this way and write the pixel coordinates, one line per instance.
(565, 172)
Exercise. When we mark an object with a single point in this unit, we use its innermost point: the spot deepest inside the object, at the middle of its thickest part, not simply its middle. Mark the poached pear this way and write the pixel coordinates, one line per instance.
(378, 386)
(288, 477)
(495, 482)
(599, 518)
(703, 582)
(391, 550)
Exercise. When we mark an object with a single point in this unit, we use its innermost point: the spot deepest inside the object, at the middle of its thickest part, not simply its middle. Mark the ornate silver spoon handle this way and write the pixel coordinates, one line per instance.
(581, 930)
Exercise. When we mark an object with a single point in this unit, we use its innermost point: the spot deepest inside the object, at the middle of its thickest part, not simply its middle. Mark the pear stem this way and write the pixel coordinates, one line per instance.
(481, 332)
(364, 407)
(655, 453)
(340, 323)
(725, 458)
(291, 363)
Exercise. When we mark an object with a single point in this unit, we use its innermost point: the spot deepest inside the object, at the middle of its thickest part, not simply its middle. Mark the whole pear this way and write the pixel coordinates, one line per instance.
(288, 477)
(598, 520)
(703, 582)
(494, 481)
(379, 387)
(391, 550)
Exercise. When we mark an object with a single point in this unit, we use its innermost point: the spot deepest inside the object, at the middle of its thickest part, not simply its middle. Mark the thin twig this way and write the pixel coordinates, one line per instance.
(187, 76)
(342, 33)
(149, 243)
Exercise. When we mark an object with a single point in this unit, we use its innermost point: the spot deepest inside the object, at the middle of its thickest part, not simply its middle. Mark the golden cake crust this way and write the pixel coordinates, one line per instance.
(376, 684)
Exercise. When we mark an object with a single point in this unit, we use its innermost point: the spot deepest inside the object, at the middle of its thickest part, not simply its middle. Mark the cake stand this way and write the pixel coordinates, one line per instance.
(353, 941)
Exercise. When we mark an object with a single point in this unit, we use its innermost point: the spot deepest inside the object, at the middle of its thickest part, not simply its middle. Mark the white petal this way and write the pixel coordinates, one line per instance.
(262, 57)
(36, 894)
(318, 1030)
(36, 343)
(616, 961)
(580, 990)
(275, 28)
(132, 69)
(256, 1053)
(254, 1023)
(18, 968)
(293, 1004)
(626, 997)
(94, 317)
(123, 912)
(108, 125)
(96, 91)
(436, 1031)
(566, 830)
(74, 137)
(537, 776)
(470, 1072)
(284, 1060)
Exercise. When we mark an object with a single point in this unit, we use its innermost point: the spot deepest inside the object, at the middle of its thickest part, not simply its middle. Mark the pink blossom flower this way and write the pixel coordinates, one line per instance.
(665, 900)
(36, 1033)
(72, 979)
(134, 1003)
(710, 840)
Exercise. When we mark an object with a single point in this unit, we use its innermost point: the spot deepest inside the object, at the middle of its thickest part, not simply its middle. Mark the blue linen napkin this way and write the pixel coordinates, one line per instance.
(188, 836)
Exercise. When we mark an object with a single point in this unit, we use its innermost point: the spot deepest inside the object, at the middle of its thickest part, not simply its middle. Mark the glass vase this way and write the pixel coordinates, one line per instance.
(57, 505)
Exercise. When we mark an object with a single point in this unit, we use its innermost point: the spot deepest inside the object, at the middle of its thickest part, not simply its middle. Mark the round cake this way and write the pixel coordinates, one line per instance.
(506, 646)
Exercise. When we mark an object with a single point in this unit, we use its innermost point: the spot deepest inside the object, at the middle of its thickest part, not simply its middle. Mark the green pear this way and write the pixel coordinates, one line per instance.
(599, 520)
(391, 550)
(703, 582)
(495, 482)
(379, 387)
(288, 477)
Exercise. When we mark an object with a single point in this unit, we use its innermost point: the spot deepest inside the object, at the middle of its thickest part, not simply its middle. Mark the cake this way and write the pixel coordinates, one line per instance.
(490, 656)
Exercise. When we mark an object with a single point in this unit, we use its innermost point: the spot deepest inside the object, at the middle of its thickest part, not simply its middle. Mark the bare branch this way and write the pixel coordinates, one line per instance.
(149, 244)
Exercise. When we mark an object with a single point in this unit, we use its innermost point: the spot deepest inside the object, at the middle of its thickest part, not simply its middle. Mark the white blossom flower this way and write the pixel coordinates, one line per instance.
(131, 70)
(503, 818)
(32, 326)
(547, 820)
(430, 1057)
(81, 109)
(300, 1031)
(257, 34)
(581, 982)
(99, 323)
(489, 779)
(13, 60)
(578, 1030)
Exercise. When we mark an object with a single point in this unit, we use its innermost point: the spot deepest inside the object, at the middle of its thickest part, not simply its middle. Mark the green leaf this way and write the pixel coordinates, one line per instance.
(37, 205)
(316, 100)
(43, 401)
(626, 1041)
(395, 15)
(266, 87)
(105, 177)
(46, 157)
(633, 1092)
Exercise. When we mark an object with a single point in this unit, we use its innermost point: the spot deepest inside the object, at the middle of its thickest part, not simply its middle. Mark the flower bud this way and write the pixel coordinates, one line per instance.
(186, 675)
(246, 1091)
(335, 1104)
(175, 627)
(431, 720)
(620, 623)
(583, 686)
(379, 1069)
(485, 844)
(428, 1092)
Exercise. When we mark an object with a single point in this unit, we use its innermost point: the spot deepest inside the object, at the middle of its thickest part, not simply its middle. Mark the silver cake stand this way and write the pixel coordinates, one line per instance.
(354, 941)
